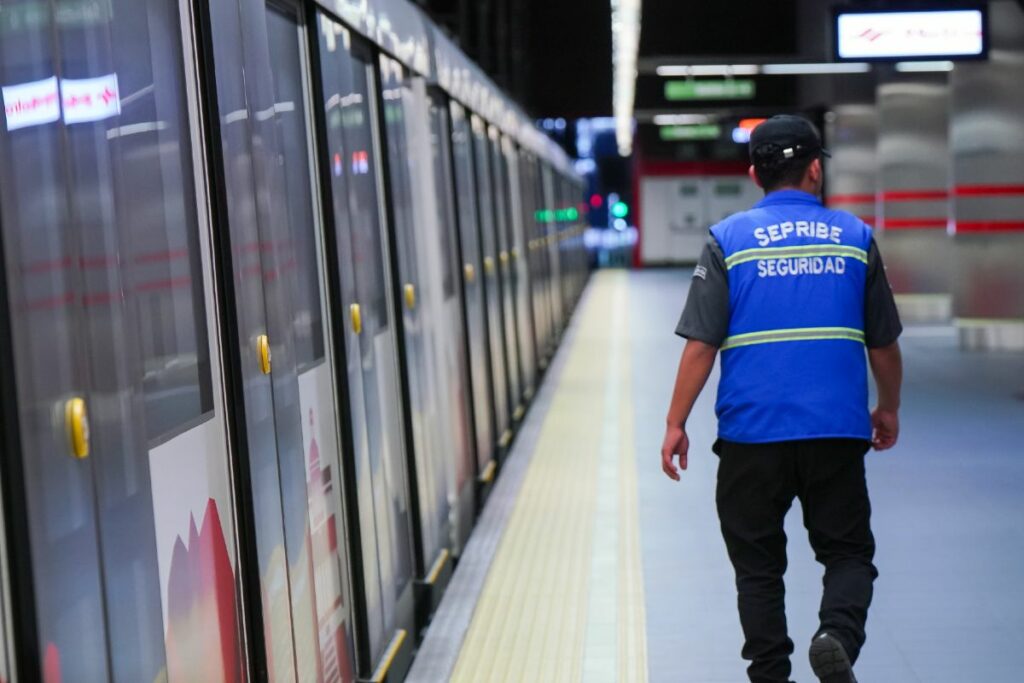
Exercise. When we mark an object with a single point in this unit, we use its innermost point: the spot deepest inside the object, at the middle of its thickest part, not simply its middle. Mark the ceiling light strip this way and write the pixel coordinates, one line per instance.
(908, 67)
(783, 69)
(812, 69)
(709, 70)
(625, 47)
(681, 119)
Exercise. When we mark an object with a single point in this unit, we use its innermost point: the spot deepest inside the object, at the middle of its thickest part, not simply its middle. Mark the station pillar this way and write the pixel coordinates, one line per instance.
(913, 217)
(987, 145)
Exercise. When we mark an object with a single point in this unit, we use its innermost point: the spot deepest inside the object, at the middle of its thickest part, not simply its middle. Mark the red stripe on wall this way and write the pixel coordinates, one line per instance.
(989, 190)
(37, 267)
(990, 226)
(173, 283)
(913, 223)
(913, 195)
(851, 199)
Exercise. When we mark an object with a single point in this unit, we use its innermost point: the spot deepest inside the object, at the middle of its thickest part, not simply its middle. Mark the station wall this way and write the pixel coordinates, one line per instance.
(936, 164)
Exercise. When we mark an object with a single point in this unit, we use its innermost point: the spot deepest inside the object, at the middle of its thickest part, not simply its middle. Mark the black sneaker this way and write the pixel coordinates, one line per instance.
(829, 660)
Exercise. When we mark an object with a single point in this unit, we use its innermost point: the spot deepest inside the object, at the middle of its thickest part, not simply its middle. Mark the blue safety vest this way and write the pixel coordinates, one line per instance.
(793, 364)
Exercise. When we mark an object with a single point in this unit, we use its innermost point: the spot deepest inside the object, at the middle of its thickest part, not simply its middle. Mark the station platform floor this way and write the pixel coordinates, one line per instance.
(588, 564)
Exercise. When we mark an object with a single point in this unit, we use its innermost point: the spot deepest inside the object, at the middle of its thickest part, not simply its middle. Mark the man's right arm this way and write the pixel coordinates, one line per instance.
(705, 324)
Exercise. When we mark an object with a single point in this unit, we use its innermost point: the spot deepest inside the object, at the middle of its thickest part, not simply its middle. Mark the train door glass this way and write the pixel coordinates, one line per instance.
(540, 308)
(378, 467)
(544, 261)
(506, 272)
(418, 277)
(452, 359)
(520, 204)
(302, 272)
(472, 272)
(259, 55)
(492, 282)
(551, 198)
(110, 316)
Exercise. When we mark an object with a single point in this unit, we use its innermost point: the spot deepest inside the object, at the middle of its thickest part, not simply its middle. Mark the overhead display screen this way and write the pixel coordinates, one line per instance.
(924, 34)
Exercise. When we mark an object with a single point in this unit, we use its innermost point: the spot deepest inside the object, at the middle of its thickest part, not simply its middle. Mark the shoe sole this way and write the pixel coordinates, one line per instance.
(829, 661)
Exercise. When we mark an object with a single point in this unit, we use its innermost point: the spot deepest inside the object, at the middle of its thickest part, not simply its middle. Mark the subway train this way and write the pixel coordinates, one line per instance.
(280, 280)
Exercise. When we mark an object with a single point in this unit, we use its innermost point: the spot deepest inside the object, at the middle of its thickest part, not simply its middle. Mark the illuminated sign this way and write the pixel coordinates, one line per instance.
(726, 89)
(708, 131)
(31, 104)
(926, 34)
(90, 99)
(81, 99)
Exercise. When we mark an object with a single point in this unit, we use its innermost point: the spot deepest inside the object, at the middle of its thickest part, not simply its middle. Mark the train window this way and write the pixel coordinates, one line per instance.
(402, 158)
(346, 76)
(300, 255)
(155, 196)
(443, 174)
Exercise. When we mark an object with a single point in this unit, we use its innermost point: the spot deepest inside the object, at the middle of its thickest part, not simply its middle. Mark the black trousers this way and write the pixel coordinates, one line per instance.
(756, 487)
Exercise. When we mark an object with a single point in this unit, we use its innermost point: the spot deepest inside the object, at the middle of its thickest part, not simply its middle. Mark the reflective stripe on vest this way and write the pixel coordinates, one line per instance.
(747, 255)
(798, 334)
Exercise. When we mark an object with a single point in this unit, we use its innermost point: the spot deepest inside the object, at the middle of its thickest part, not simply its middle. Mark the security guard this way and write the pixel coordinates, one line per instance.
(791, 293)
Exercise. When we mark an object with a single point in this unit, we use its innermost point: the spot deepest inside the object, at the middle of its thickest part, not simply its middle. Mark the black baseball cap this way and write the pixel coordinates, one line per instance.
(784, 137)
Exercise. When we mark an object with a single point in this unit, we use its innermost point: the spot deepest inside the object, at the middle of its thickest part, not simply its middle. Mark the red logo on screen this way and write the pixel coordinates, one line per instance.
(871, 35)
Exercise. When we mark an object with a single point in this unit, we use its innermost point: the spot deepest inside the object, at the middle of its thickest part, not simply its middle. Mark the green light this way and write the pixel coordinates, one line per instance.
(620, 210)
(725, 89)
(704, 131)
(572, 213)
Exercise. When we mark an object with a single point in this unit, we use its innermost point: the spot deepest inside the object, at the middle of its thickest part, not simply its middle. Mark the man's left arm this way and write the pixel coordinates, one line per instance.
(882, 329)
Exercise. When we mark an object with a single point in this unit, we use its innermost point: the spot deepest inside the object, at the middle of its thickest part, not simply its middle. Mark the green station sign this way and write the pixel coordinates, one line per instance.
(703, 131)
(723, 89)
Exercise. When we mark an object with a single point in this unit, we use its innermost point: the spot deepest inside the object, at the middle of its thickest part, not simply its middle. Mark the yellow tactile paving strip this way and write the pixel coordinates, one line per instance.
(531, 621)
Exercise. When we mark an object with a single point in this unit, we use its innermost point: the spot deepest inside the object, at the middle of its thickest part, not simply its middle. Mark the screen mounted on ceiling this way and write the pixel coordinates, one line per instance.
(898, 35)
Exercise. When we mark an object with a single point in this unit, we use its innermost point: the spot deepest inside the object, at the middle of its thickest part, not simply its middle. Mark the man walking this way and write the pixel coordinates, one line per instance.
(791, 293)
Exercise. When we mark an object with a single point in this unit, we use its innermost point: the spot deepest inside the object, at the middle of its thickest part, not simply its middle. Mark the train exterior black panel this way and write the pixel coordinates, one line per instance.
(280, 278)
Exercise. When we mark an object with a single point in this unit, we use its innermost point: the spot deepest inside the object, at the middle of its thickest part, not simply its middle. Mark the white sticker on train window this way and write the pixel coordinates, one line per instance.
(31, 104)
(90, 99)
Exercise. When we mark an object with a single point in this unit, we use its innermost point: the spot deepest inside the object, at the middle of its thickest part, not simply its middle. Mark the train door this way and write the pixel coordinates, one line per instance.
(275, 248)
(474, 301)
(109, 293)
(417, 277)
(506, 272)
(492, 283)
(367, 324)
(302, 292)
(519, 202)
(453, 356)
(550, 251)
(538, 259)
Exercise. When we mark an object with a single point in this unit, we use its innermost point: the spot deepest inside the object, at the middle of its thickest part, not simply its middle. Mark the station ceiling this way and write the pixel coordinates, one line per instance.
(554, 56)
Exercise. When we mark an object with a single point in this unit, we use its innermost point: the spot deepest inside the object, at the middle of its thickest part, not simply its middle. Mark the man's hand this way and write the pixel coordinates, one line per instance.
(676, 443)
(886, 429)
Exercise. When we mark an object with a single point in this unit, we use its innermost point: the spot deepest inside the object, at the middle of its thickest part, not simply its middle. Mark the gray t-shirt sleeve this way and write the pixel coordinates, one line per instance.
(706, 314)
(882, 324)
